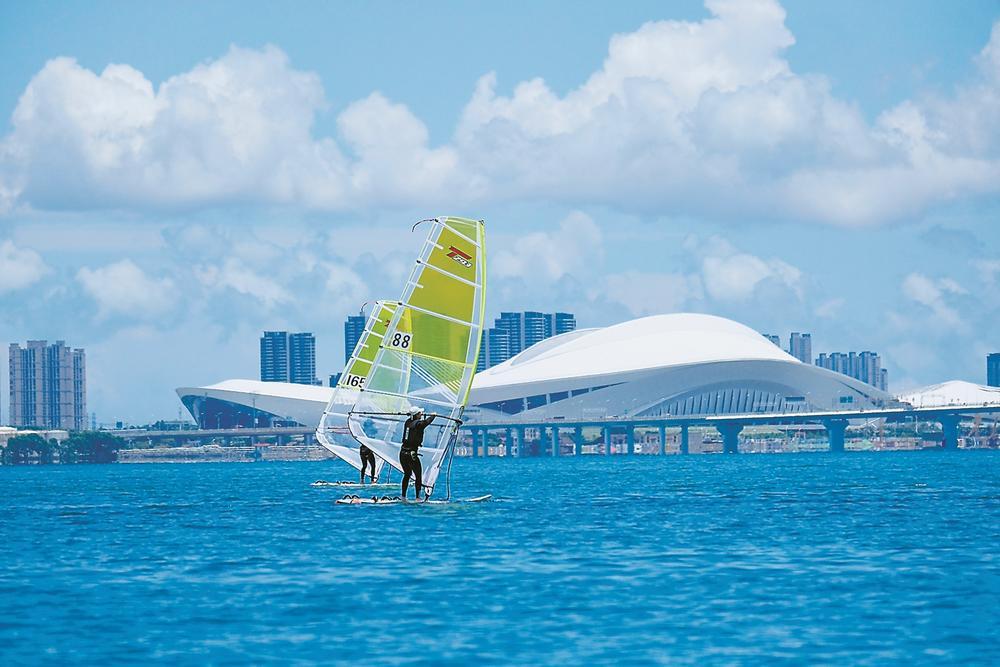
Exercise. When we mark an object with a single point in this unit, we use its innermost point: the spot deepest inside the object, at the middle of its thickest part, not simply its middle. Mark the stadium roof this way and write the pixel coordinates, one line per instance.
(643, 344)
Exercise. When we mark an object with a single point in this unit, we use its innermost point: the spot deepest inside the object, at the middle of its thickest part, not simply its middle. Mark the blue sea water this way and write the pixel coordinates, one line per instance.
(859, 558)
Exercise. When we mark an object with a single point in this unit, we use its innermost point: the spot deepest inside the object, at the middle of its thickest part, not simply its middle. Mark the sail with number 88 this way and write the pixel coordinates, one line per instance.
(428, 353)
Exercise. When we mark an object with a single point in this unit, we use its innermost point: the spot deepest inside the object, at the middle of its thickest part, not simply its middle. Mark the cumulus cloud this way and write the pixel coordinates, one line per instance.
(548, 256)
(234, 275)
(19, 267)
(644, 293)
(124, 289)
(934, 294)
(731, 275)
(703, 118)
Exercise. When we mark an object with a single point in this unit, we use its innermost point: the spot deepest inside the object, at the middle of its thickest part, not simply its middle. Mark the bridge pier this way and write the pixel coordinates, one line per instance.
(663, 439)
(606, 430)
(521, 449)
(684, 439)
(555, 441)
(577, 440)
(949, 428)
(630, 438)
(508, 442)
(730, 437)
(835, 430)
(475, 442)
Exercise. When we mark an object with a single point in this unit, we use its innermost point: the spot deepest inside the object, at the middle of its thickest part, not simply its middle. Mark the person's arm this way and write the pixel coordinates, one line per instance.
(428, 419)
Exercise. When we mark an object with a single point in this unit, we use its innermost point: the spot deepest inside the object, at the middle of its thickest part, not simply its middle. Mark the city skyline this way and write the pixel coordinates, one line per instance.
(630, 183)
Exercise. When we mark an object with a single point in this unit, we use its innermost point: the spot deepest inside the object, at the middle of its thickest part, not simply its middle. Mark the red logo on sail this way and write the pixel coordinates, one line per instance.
(460, 257)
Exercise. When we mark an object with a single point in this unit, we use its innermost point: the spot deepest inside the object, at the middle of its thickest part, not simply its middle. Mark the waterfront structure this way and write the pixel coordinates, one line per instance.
(253, 404)
(954, 392)
(667, 365)
(288, 357)
(865, 366)
(512, 333)
(993, 369)
(48, 386)
(354, 326)
(800, 346)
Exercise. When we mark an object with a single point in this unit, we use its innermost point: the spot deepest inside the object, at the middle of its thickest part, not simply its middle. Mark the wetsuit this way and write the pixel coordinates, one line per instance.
(409, 460)
(367, 459)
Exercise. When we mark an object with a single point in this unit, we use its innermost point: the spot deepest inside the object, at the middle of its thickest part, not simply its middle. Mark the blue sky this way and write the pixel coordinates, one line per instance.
(176, 178)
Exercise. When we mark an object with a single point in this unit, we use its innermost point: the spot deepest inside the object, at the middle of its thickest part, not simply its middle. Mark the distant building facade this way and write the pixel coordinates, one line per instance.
(354, 326)
(993, 369)
(800, 346)
(512, 333)
(865, 366)
(773, 338)
(288, 357)
(48, 386)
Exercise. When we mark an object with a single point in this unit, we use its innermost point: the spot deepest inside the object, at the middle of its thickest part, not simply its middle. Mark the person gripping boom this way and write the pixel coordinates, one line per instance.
(413, 437)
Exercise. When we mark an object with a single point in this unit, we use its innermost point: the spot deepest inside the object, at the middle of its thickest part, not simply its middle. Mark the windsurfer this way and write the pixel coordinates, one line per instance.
(367, 459)
(413, 437)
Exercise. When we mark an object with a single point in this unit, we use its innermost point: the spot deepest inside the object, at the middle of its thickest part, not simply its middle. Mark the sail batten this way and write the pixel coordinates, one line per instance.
(428, 353)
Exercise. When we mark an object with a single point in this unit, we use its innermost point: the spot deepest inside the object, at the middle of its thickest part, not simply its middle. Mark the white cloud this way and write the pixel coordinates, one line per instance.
(233, 274)
(123, 288)
(703, 118)
(934, 295)
(652, 293)
(731, 275)
(573, 246)
(830, 308)
(19, 267)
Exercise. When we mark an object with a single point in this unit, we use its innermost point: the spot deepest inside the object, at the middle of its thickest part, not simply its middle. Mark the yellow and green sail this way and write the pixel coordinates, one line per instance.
(333, 431)
(427, 356)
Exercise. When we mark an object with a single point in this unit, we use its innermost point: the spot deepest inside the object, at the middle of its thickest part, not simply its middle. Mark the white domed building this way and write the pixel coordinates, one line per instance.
(673, 365)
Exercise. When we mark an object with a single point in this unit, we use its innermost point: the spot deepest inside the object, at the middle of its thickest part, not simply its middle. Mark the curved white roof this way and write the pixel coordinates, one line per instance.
(954, 392)
(646, 343)
(304, 392)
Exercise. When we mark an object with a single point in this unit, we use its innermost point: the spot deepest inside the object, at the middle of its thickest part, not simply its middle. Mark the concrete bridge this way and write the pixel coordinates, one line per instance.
(729, 426)
(281, 435)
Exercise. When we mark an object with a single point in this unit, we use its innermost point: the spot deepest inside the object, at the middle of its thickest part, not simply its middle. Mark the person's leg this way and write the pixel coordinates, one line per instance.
(417, 473)
(371, 463)
(364, 464)
(404, 463)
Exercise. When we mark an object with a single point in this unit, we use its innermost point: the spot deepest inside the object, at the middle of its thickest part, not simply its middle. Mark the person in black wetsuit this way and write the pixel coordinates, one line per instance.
(367, 459)
(413, 437)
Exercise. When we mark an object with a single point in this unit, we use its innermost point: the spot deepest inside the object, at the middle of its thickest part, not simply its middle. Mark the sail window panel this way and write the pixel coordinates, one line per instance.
(390, 376)
(439, 338)
(434, 379)
(439, 293)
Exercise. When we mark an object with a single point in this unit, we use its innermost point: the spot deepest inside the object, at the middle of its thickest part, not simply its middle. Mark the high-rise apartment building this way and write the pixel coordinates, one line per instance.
(512, 333)
(48, 386)
(800, 346)
(274, 356)
(993, 369)
(302, 359)
(354, 327)
(562, 323)
(865, 366)
(288, 357)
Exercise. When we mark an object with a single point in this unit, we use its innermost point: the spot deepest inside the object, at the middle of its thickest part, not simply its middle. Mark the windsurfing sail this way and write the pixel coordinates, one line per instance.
(333, 431)
(427, 357)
